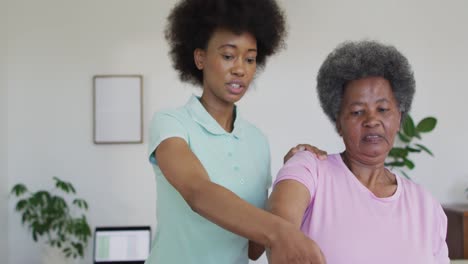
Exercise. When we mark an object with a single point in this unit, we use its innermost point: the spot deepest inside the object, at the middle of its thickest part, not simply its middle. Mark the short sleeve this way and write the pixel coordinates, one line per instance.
(163, 126)
(440, 244)
(302, 167)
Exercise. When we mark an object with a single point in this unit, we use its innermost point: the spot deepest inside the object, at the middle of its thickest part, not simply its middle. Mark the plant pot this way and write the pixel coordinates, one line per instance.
(53, 255)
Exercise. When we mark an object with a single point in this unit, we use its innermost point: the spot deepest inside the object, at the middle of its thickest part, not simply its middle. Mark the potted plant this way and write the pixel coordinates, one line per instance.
(410, 142)
(48, 216)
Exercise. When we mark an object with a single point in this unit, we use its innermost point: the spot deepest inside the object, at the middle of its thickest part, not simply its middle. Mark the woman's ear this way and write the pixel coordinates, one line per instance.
(338, 127)
(199, 58)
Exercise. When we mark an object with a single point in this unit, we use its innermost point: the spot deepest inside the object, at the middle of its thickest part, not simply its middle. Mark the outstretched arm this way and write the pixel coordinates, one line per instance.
(226, 209)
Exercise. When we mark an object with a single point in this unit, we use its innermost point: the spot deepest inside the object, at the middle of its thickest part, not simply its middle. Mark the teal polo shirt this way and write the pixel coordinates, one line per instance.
(239, 161)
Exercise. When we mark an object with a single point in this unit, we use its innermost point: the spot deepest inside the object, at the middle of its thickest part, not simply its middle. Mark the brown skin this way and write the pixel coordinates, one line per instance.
(285, 194)
(228, 65)
(322, 155)
(368, 121)
(228, 60)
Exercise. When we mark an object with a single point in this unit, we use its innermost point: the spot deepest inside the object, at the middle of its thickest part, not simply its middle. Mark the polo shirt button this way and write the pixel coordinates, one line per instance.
(236, 168)
(229, 154)
(242, 181)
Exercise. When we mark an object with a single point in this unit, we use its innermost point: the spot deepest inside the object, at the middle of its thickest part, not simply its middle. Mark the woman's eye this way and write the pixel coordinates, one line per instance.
(227, 57)
(251, 60)
(357, 113)
(382, 110)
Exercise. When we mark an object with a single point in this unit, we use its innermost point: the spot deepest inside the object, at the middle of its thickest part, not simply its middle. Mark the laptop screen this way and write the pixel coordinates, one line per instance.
(122, 244)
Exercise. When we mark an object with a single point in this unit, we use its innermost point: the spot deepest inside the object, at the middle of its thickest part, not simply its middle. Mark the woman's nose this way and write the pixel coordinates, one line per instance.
(371, 120)
(238, 69)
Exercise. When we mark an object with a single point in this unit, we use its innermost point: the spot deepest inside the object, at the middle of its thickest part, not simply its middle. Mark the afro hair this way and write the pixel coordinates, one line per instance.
(191, 23)
(355, 60)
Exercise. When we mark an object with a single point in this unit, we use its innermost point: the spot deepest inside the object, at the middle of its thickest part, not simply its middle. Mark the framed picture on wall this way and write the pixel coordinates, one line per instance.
(117, 109)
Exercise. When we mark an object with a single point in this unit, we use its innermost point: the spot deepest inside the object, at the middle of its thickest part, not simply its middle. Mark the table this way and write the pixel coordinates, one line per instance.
(457, 231)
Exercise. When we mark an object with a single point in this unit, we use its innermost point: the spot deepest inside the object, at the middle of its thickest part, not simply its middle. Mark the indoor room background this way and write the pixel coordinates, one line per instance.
(50, 50)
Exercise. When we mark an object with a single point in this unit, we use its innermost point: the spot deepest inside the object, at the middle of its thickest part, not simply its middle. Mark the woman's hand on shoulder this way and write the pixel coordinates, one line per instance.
(321, 154)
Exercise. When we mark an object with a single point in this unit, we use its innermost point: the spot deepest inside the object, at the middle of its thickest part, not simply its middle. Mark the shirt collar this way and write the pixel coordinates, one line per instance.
(203, 118)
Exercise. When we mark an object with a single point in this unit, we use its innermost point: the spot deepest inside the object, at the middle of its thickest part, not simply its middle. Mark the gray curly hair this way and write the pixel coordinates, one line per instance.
(355, 60)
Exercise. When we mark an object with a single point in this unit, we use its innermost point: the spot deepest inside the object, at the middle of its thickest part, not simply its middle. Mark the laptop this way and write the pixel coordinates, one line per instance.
(121, 244)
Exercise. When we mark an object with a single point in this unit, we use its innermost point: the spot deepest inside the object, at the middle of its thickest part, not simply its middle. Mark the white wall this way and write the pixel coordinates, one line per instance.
(55, 47)
(3, 136)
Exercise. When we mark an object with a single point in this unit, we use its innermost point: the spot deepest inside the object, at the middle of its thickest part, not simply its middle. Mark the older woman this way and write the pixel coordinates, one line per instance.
(355, 209)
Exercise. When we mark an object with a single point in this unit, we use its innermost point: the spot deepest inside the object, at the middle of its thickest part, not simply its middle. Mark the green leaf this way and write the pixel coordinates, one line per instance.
(81, 203)
(33, 201)
(67, 251)
(427, 124)
(25, 218)
(71, 188)
(19, 189)
(79, 248)
(21, 204)
(410, 149)
(43, 197)
(409, 164)
(58, 207)
(417, 134)
(398, 152)
(62, 185)
(395, 164)
(408, 127)
(422, 147)
(404, 138)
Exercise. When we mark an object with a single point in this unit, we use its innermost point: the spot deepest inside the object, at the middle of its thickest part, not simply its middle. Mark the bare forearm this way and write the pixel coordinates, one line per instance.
(285, 241)
(227, 210)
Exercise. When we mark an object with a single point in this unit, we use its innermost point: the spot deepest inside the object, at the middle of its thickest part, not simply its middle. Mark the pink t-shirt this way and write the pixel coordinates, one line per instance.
(353, 226)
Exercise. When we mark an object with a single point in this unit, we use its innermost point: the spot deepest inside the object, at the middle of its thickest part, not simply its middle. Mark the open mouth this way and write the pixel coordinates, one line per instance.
(235, 87)
(372, 138)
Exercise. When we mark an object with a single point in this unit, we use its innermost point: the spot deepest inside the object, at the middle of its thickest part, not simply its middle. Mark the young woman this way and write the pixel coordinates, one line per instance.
(213, 167)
